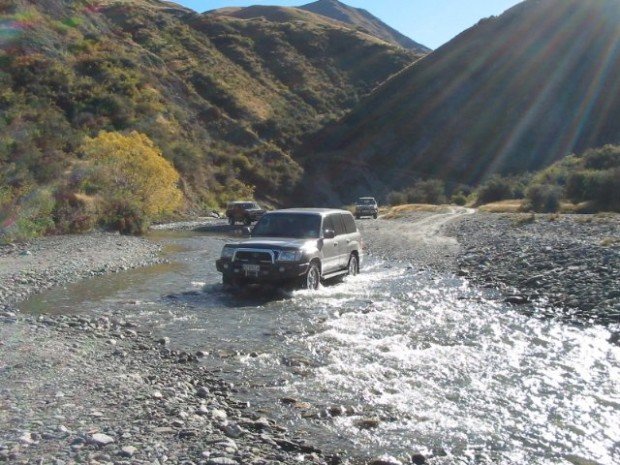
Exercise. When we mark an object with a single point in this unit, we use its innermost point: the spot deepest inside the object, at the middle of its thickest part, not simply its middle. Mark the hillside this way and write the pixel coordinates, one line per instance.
(514, 93)
(224, 99)
(363, 20)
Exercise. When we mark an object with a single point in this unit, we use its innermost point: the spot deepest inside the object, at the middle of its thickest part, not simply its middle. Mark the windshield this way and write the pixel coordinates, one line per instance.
(366, 201)
(249, 206)
(293, 225)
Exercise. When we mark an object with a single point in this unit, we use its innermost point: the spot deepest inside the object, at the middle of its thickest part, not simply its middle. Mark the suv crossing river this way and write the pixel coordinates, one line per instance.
(301, 246)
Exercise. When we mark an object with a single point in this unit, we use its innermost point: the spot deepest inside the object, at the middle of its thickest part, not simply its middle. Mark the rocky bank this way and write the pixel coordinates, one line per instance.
(567, 265)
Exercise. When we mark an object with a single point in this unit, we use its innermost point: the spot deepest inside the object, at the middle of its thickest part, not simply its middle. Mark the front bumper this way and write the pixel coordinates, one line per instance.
(366, 211)
(268, 273)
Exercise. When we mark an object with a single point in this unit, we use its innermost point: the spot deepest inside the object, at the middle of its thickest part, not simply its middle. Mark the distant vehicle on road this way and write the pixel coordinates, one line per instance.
(366, 206)
(245, 212)
(297, 246)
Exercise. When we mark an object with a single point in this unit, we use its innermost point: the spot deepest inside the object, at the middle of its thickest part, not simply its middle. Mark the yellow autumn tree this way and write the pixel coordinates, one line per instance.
(131, 167)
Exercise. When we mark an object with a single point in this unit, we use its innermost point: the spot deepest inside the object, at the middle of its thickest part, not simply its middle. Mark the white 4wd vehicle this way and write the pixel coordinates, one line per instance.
(299, 246)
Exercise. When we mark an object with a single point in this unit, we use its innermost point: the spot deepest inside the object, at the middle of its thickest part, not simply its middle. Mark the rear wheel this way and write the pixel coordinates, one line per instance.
(354, 266)
(312, 279)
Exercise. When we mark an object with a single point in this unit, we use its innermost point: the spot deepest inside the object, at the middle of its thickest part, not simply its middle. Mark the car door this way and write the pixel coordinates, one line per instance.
(330, 249)
(351, 238)
(340, 244)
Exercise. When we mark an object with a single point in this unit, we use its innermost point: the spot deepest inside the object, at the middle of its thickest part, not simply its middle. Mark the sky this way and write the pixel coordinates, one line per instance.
(429, 22)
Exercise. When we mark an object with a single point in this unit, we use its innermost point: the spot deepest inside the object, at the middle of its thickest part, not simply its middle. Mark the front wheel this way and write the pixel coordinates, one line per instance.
(312, 278)
(374, 216)
(247, 221)
(354, 266)
(231, 220)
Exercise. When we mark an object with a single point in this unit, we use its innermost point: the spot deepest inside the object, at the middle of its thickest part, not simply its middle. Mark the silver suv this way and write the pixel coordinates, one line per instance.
(366, 206)
(300, 246)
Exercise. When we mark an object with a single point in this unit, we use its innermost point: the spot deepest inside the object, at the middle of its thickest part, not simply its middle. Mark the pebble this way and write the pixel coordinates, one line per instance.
(102, 439)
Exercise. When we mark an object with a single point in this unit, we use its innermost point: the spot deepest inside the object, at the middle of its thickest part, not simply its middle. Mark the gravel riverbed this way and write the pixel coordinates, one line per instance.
(567, 262)
(31, 267)
(98, 390)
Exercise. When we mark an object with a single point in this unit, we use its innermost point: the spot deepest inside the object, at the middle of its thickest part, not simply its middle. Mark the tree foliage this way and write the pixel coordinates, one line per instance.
(132, 168)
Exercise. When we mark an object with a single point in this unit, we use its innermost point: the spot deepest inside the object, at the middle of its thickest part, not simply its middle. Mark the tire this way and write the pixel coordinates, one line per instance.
(312, 279)
(231, 220)
(375, 216)
(357, 217)
(247, 221)
(354, 266)
(228, 280)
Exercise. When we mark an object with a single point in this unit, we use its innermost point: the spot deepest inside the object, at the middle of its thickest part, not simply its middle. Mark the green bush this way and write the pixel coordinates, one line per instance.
(543, 198)
(431, 191)
(396, 198)
(458, 199)
(496, 189)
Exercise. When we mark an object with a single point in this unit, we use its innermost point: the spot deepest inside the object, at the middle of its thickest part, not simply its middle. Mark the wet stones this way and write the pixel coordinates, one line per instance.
(568, 264)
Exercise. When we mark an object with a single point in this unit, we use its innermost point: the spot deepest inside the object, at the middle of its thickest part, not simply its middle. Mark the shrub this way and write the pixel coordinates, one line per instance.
(543, 198)
(397, 198)
(29, 217)
(74, 213)
(431, 191)
(496, 189)
(131, 166)
(125, 216)
(459, 199)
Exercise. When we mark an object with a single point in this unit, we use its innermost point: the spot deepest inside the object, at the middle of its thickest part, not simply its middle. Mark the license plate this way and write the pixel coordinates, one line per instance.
(251, 270)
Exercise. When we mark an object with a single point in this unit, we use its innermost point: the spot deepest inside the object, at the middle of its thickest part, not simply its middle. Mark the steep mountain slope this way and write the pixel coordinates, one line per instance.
(360, 18)
(514, 93)
(225, 99)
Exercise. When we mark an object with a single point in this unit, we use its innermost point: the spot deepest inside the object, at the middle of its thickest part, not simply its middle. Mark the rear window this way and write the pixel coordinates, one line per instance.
(349, 223)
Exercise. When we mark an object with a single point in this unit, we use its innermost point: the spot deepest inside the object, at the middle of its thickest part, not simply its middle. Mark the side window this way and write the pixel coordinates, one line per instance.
(349, 223)
(328, 224)
(338, 224)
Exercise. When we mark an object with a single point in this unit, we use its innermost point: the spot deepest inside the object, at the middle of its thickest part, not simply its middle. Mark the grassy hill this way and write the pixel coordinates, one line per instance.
(224, 99)
(363, 20)
(514, 93)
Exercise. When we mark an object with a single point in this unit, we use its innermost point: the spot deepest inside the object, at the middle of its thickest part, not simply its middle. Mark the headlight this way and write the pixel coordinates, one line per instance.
(228, 252)
(290, 256)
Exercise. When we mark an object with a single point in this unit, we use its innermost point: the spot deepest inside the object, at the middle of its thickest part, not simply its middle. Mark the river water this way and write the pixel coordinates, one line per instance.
(391, 362)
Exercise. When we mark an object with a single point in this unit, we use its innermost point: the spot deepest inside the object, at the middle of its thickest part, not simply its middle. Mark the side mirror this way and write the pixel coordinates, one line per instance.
(246, 231)
(329, 234)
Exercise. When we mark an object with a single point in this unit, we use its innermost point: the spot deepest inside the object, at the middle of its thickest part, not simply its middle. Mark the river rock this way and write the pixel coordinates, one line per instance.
(102, 439)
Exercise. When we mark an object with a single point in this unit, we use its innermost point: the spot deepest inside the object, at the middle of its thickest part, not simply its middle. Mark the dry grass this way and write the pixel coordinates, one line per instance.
(505, 206)
(610, 241)
(402, 210)
(517, 206)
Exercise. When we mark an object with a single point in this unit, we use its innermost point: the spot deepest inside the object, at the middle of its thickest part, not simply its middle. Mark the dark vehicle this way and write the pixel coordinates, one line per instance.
(243, 212)
(296, 246)
(366, 206)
